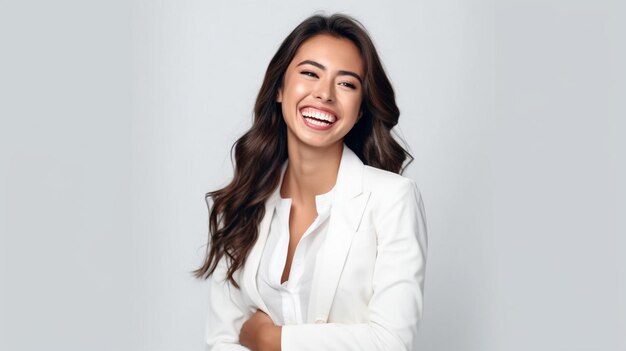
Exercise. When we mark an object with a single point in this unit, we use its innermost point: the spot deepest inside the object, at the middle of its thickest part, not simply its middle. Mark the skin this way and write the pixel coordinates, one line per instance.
(314, 155)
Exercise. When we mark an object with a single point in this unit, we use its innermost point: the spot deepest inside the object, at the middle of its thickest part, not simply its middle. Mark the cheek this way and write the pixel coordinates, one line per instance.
(294, 88)
(299, 88)
(355, 107)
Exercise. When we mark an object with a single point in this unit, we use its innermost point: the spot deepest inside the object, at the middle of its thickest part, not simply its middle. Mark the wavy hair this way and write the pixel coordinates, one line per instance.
(238, 208)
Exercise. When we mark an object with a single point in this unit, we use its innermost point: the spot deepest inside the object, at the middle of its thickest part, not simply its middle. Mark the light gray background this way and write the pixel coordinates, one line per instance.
(118, 116)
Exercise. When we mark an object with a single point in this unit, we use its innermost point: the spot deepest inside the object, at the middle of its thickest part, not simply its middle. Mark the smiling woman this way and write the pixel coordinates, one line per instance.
(318, 242)
(322, 93)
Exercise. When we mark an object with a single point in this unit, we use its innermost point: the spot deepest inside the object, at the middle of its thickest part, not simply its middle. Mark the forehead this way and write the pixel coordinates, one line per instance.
(335, 53)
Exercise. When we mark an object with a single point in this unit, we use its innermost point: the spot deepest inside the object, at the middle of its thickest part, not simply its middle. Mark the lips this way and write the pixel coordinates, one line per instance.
(322, 115)
(318, 118)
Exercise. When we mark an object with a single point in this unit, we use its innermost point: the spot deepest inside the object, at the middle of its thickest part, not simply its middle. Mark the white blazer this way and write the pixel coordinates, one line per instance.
(368, 284)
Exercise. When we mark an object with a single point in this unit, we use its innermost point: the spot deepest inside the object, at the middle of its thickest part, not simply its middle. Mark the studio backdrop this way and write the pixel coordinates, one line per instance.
(117, 117)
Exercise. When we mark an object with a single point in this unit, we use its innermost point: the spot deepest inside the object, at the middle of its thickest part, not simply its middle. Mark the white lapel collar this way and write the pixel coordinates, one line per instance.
(347, 209)
(349, 202)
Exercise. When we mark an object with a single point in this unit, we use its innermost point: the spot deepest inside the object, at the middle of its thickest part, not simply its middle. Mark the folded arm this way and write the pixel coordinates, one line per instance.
(395, 307)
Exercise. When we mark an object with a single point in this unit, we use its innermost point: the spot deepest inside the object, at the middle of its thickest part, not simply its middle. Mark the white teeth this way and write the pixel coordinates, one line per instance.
(318, 115)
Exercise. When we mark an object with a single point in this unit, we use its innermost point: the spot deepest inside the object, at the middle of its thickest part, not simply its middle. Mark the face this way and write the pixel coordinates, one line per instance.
(322, 92)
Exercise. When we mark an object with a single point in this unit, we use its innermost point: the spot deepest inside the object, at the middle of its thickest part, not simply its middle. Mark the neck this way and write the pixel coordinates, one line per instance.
(310, 171)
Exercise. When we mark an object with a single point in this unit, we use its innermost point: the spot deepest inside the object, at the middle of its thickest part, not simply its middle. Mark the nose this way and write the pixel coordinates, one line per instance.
(324, 90)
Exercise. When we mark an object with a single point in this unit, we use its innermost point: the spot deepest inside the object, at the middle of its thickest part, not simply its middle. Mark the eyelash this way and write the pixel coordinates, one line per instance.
(309, 73)
(313, 75)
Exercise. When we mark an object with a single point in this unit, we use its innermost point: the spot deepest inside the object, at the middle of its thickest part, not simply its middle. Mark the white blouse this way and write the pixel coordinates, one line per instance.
(288, 301)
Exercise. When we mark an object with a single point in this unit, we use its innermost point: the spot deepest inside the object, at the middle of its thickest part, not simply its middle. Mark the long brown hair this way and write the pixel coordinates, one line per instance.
(259, 154)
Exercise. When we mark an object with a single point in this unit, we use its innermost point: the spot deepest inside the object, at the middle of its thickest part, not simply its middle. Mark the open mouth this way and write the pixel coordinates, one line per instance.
(318, 118)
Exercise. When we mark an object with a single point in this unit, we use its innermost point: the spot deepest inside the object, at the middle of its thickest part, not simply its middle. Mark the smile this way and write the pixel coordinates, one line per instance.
(318, 119)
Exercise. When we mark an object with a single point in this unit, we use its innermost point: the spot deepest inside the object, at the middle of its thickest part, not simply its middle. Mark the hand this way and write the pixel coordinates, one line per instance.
(259, 333)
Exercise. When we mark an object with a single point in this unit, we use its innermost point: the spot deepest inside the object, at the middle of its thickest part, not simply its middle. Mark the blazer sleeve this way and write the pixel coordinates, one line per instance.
(398, 283)
(226, 313)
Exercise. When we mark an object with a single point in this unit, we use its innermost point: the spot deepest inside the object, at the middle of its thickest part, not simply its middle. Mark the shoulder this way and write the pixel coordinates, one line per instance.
(390, 193)
(384, 183)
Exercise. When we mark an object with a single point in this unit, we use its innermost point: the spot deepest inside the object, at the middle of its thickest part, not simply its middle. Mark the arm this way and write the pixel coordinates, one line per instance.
(260, 334)
(398, 283)
(225, 315)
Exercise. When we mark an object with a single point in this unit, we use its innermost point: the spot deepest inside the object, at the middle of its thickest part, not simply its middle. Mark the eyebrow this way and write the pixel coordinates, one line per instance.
(323, 68)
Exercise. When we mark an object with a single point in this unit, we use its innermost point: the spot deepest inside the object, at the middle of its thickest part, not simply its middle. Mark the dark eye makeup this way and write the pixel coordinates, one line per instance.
(349, 85)
(309, 73)
(313, 75)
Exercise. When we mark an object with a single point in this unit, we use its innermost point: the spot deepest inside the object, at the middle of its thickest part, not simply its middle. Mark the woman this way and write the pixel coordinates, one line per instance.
(318, 243)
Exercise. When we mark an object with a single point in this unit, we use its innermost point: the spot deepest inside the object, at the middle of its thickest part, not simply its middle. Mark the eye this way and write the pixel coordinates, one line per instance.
(309, 73)
(349, 85)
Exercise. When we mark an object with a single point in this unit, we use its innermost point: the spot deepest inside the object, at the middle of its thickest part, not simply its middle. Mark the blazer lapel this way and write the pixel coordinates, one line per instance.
(349, 202)
(347, 210)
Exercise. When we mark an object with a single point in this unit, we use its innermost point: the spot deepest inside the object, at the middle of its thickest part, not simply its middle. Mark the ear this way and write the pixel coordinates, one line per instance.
(359, 116)
(279, 97)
